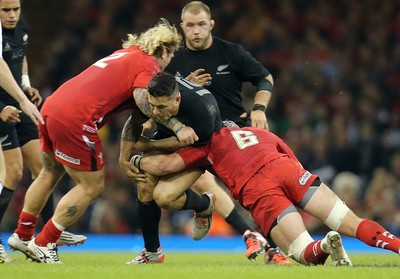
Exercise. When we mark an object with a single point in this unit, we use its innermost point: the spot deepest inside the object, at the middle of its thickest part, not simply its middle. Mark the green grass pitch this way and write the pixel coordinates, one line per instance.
(195, 265)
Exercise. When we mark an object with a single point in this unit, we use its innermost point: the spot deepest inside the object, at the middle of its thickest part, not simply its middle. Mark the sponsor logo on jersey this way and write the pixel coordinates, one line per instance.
(6, 47)
(304, 178)
(25, 37)
(89, 129)
(67, 158)
(221, 68)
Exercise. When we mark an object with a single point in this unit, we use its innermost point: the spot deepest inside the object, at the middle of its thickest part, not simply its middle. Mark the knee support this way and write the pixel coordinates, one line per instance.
(299, 245)
(336, 216)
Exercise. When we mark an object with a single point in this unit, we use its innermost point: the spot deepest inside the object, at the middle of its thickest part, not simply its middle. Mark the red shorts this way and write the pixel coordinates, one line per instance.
(73, 147)
(277, 185)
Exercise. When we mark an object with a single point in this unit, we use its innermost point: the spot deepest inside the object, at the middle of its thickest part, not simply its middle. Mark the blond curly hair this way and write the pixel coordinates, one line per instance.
(154, 40)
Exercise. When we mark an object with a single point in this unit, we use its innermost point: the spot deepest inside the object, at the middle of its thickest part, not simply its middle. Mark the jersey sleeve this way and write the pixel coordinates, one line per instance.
(249, 68)
(194, 156)
(149, 68)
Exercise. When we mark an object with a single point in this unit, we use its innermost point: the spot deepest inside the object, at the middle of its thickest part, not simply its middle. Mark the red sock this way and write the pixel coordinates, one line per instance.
(49, 234)
(375, 235)
(26, 226)
(314, 254)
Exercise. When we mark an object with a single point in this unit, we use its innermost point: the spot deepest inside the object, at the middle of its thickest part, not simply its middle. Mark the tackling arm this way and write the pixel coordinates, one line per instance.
(159, 164)
(183, 133)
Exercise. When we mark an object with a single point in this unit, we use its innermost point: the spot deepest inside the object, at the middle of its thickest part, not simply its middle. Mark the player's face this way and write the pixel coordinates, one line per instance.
(165, 107)
(10, 10)
(197, 30)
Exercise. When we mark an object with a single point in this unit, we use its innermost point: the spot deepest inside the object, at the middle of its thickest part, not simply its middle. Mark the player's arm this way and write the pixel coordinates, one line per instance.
(31, 92)
(9, 84)
(253, 71)
(185, 134)
(261, 101)
(159, 164)
(131, 133)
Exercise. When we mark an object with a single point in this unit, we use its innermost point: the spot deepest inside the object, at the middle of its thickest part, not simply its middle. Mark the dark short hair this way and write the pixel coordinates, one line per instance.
(162, 84)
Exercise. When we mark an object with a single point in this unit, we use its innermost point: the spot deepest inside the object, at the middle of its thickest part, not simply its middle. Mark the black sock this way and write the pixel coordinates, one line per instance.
(236, 220)
(150, 214)
(196, 202)
(48, 210)
(271, 242)
(5, 197)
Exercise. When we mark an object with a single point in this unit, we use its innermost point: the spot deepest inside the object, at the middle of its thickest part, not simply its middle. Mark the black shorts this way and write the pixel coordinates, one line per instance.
(19, 134)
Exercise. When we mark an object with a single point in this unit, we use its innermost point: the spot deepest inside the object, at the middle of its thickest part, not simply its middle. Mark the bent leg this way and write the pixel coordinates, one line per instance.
(326, 206)
(170, 190)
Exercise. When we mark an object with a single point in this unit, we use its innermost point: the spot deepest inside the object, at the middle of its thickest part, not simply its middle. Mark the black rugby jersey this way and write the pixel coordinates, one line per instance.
(15, 42)
(229, 65)
(198, 109)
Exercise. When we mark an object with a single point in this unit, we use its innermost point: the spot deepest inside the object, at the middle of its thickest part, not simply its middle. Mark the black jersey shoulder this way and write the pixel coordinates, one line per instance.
(199, 110)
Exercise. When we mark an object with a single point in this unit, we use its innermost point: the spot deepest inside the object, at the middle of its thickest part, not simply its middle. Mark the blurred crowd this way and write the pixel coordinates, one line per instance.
(336, 99)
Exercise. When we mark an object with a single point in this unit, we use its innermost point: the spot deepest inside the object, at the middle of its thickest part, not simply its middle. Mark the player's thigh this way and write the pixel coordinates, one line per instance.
(321, 202)
(204, 183)
(171, 187)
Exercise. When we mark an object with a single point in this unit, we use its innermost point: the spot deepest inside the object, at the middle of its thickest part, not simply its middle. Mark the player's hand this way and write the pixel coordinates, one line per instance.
(187, 136)
(31, 111)
(259, 119)
(131, 171)
(199, 77)
(10, 115)
(33, 95)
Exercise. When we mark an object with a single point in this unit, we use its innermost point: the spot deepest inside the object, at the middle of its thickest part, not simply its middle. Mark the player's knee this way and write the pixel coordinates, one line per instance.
(13, 176)
(144, 192)
(94, 190)
(162, 199)
(336, 216)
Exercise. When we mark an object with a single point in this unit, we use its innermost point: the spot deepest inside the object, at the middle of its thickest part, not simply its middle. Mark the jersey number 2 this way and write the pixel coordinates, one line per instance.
(102, 62)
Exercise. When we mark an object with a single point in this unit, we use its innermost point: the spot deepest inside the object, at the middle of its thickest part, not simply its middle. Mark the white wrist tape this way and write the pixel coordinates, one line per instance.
(25, 82)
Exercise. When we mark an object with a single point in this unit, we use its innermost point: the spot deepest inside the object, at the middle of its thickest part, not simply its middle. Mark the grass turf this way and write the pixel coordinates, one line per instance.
(195, 265)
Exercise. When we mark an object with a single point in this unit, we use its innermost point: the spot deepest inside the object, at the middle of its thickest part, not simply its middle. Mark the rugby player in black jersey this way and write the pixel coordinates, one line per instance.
(222, 67)
(18, 131)
(195, 107)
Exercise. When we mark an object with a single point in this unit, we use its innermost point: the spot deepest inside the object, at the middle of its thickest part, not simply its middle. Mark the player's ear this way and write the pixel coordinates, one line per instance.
(212, 23)
(164, 53)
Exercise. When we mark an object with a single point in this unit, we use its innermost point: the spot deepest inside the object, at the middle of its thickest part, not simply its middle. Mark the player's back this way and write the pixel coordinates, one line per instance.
(102, 88)
(238, 153)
